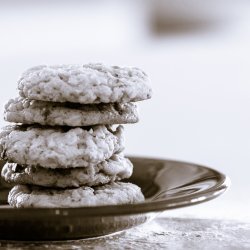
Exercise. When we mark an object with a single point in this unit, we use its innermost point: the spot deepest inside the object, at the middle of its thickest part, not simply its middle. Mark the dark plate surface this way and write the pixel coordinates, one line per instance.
(166, 185)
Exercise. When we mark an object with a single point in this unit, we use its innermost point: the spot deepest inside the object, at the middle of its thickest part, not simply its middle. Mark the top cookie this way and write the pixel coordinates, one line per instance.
(86, 84)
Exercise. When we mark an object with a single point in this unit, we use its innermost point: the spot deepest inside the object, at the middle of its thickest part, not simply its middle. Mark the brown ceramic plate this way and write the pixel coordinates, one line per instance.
(166, 185)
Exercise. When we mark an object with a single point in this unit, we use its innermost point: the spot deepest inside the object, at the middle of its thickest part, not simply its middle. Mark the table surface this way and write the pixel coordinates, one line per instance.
(162, 233)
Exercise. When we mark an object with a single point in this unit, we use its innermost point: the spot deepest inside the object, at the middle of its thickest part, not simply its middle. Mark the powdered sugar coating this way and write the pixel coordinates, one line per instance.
(89, 83)
(26, 111)
(114, 169)
(60, 147)
(109, 194)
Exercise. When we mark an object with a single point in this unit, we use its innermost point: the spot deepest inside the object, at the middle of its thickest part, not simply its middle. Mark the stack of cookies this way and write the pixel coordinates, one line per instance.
(67, 147)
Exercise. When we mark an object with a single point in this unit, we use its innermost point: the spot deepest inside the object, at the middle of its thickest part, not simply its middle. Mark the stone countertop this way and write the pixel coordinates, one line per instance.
(161, 233)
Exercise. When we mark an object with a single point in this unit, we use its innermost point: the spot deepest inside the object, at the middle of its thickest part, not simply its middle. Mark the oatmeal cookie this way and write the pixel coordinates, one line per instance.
(109, 194)
(60, 147)
(86, 84)
(114, 169)
(26, 111)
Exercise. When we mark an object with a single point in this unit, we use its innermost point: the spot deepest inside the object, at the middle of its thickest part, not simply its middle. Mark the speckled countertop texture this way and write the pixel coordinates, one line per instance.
(161, 233)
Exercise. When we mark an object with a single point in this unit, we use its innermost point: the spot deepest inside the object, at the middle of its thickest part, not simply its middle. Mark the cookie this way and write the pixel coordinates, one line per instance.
(114, 169)
(60, 147)
(86, 84)
(26, 111)
(109, 194)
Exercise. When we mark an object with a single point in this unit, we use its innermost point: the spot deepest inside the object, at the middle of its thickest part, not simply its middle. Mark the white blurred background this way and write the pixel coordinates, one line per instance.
(197, 54)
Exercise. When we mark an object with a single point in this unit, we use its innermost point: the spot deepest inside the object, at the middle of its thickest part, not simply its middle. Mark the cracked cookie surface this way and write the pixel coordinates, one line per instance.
(109, 194)
(60, 147)
(114, 169)
(86, 84)
(26, 111)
